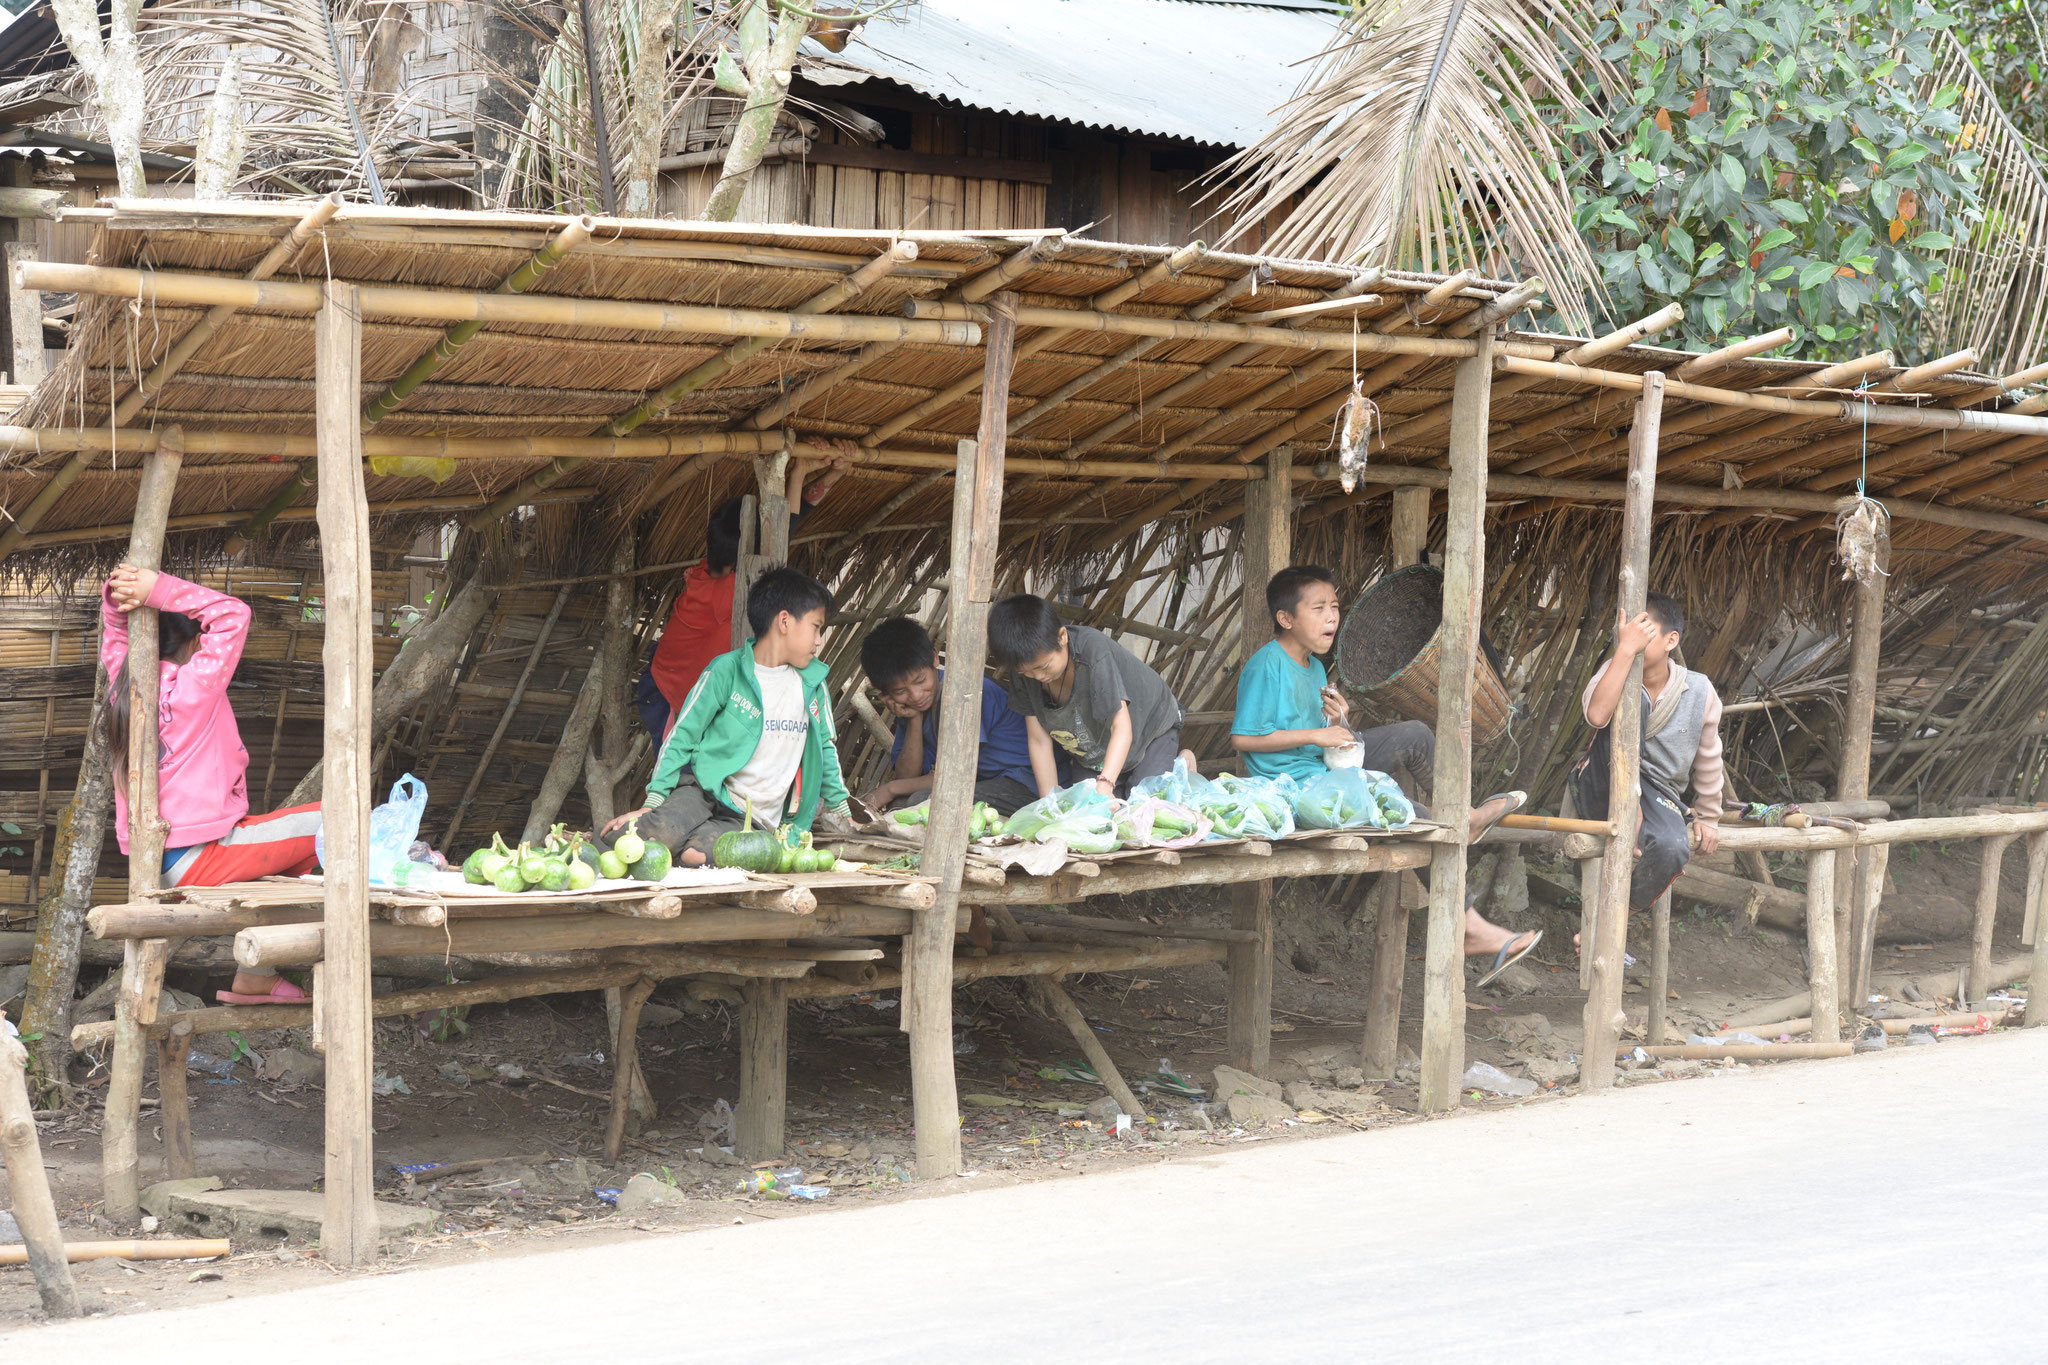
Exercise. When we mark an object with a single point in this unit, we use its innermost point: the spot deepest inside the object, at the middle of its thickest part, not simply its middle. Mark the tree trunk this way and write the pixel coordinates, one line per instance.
(768, 52)
(422, 667)
(646, 89)
(513, 36)
(60, 927)
(606, 765)
(114, 65)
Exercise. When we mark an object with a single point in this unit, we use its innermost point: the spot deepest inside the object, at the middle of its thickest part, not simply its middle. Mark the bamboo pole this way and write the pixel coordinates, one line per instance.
(1603, 1018)
(1852, 781)
(1572, 413)
(182, 350)
(34, 1210)
(191, 1249)
(1876, 414)
(142, 971)
(348, 1229)
(928, 1000)
(401, 301)
(1749, 1052)
(1443, 977)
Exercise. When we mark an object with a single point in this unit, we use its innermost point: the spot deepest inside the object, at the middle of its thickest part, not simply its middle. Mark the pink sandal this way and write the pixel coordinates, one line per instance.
(283, 993)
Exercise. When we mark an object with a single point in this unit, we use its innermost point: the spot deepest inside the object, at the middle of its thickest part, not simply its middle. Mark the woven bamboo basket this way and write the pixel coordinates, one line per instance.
(1391, 645)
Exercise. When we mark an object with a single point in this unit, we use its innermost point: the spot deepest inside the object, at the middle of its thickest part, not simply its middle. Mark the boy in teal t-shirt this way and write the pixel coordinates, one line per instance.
(1287, 714)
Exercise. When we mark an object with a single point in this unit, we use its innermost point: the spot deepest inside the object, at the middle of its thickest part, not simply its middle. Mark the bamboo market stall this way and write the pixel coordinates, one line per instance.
(538, 412)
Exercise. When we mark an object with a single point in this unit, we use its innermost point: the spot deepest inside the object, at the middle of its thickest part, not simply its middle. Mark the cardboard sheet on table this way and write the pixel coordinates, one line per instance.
(449, 883)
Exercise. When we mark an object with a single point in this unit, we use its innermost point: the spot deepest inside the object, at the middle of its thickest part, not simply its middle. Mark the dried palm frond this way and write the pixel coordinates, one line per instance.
(1995, 297)
(1418, 140)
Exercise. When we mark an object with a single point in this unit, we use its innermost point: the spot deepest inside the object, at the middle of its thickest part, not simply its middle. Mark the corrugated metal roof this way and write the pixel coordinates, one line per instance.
(1211, 73)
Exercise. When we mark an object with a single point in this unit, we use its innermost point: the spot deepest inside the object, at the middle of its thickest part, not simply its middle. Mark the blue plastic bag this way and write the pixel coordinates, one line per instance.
(1247, 807)
(393, 827)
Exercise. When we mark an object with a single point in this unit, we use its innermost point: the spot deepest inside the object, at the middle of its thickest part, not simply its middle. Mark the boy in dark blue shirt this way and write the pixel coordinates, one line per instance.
(902, 662)
(1288, 714)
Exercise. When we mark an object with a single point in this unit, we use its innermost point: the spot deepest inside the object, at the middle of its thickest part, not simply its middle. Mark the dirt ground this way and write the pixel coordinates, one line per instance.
(522, 1094)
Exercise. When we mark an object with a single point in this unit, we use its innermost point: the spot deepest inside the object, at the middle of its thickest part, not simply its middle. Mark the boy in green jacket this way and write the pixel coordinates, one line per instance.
(756, 731)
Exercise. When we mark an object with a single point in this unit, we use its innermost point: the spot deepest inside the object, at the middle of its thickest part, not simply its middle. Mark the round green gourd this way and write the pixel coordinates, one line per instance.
(556, 875)
(473, 868)
(653, 865)
(747, 848)
(582, 876)
(509, 881)
(629, 846)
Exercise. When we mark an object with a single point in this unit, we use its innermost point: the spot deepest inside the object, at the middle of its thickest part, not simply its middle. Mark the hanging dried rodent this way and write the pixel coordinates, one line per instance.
(1353, 432)
(1863, 534)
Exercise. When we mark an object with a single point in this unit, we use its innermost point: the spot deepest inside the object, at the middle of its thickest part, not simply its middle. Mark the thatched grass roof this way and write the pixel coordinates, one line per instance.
(521, 380)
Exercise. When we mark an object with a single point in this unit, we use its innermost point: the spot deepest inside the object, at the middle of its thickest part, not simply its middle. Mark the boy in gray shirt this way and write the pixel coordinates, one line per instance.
(1116, 719)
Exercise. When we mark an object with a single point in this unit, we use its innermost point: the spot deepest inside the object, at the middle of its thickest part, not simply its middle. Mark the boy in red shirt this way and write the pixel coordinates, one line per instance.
(700, 627)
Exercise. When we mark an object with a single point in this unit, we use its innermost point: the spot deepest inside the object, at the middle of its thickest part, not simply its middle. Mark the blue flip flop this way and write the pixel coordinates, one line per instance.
(1508, 957)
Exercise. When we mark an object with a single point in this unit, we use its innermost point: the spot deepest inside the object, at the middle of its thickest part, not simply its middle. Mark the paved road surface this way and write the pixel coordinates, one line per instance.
(1884, 1207)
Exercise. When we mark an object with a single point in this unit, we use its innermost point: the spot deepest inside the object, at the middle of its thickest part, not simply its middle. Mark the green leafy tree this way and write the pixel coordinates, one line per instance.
(1778, 163)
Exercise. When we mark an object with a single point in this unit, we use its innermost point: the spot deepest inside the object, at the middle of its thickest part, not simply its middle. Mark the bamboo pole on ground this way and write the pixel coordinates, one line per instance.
(1443, 977)
(1268, 538)
(1993, 859)
(1609, 938)
(34, 1210)
(348, 1230)
(182, 350)
(1407, 538)
(928, 957)
(142, 970)
(1821, 978)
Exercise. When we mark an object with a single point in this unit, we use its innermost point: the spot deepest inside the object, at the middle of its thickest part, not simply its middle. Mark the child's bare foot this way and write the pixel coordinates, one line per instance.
(1492, 811)
(261, 988)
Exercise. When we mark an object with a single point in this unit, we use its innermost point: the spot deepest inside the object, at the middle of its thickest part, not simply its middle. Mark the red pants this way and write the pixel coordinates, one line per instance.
(280, 843)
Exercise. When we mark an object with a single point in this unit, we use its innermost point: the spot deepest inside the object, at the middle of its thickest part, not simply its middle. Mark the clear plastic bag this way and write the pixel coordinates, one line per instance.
(1340, 798)
(1082, 831)
(1149, 822)
(1183, 786)
(1247, 808)
(1029, 820)
(1396, 810)
(393, 827)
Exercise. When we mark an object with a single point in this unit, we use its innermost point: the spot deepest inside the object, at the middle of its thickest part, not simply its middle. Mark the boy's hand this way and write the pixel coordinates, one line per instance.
(130, 587)
(1335, 735)
(1633, 637)
(1106, 786)
(1707, 835)
(880, 797)
(901, 710)
(622, 821)
(1335, 707)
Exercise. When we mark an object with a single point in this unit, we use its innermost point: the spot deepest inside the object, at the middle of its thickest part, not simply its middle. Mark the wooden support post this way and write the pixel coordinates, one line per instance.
(2037, 902)
(771, 485)
(1609, 943)
(1820, 945)
(142, 971)
(928, 956)
(764, 1069)
(1870, 869)
(174, 1101)
(348, 1231)
(627, 1082)
(1382, 1048)
(1660, 967)
(639, 1099)
(1852, 781)
(25, 322)
(1408, 535)
(1589, 915)
(1980, 983)
(1443, 974)
(33, 1208)
(1268, 544)
(2037, 888)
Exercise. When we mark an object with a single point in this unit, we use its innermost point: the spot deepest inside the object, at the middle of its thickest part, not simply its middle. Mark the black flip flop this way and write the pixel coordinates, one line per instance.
(1516, 800)
(1508, 957)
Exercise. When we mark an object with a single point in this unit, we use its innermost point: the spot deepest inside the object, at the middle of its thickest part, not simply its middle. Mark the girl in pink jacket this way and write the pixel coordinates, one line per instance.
(202, 783)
